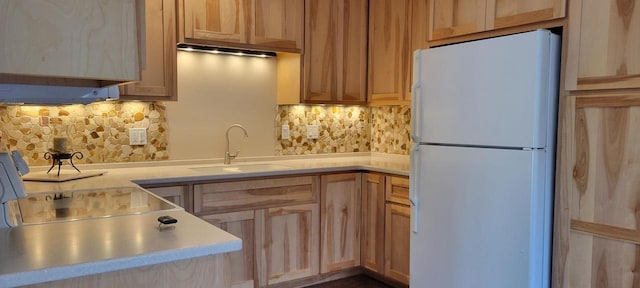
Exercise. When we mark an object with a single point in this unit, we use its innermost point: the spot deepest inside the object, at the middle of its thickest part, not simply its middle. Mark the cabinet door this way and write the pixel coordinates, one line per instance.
(397, 235)
(352, 56)
(451, 18)
(68, 42)
(278, 24)
(288, 243)
(158, 76)
(340, 221)
(509, 13)
(217, 20)
(603, 51)
(242, 225)
(373, 222)
(335, 64)
(177, 194)
(389, 50)
(320, 60)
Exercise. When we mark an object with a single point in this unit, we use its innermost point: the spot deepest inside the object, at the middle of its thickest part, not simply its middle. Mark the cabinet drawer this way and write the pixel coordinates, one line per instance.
(397, 190)
(253, 194)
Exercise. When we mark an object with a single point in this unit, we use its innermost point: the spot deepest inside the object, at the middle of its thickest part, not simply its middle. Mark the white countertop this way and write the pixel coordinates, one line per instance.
(40, 253)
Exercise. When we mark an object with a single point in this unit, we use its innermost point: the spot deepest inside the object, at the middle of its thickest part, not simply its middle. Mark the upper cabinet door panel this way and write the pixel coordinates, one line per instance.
(609, 41)
(278, 24)
(388, 49)
(158, 77)
(352, 83)
(218, 20)
(509, 13)
(320, 50)
(451, 18)
(92, 40)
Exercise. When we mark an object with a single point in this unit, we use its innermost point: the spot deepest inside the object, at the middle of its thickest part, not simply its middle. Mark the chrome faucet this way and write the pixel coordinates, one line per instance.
(228, 156)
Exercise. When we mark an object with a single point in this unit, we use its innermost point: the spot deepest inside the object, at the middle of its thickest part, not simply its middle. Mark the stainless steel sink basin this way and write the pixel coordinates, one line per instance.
(239, 168)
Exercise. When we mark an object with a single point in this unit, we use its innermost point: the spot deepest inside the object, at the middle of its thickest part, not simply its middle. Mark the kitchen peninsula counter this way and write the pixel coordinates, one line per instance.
(47, 252)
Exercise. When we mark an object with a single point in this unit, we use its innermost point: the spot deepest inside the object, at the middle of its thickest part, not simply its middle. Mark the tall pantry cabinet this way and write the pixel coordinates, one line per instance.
(596, 237)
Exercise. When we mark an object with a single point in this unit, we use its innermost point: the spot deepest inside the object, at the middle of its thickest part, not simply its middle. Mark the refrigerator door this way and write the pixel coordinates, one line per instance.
(481, 218)
(494, 92)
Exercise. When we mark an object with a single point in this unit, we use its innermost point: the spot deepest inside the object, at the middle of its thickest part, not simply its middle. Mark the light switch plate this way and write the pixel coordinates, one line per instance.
(312, 132)
(137, 136)
(285, 132)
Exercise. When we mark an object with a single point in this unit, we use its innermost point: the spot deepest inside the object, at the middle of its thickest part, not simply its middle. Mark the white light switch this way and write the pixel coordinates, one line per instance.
(137, 136)
(285, 132)
(312, 132)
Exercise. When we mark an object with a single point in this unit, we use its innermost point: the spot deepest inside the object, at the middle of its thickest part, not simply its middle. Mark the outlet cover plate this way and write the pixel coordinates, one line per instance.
(312, 132)
(137, 136)
(285, 132)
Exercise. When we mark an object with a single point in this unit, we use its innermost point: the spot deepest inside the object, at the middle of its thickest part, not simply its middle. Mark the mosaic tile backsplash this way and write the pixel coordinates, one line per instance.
(341, 129)
(98, 130)
(391, 129)
(344, 129)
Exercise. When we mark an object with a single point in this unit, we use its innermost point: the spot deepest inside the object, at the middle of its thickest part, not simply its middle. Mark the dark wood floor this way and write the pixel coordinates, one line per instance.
(359, 281)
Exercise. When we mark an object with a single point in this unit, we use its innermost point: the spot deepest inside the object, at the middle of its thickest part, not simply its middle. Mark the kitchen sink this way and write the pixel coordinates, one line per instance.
(239, 168)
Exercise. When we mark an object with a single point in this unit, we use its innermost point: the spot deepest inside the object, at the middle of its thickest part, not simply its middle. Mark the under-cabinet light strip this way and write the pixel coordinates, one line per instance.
(225, 51)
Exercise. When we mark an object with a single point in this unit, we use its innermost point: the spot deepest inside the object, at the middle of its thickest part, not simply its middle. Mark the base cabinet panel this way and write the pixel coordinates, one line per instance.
(372, 257)
(242, 263)
(397, 235)
(288, 243)
(340, 214)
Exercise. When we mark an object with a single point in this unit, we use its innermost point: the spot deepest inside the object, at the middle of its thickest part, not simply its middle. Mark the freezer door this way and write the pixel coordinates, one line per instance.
(494, 92)
(480, 218)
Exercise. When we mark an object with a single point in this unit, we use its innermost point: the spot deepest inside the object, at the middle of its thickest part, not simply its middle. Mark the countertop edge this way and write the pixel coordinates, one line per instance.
(115, 264)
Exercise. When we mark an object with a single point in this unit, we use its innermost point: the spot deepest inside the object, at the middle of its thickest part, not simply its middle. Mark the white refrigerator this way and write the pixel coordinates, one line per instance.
(482, 170)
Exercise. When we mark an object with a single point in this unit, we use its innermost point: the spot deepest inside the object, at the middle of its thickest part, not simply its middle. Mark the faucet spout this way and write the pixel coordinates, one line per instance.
(227, 155)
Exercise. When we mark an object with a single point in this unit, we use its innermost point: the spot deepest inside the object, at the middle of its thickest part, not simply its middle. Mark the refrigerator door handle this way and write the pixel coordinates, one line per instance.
(413, 187)
(416, 98)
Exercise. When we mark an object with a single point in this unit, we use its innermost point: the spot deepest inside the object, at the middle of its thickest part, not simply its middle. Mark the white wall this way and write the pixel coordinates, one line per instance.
(214, 92)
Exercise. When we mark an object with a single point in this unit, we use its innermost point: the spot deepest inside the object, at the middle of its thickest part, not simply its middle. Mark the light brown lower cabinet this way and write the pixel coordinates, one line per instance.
(287, 238)
(386, 226)
(397, 229)
(340, 221)
(396, 238)
(242, 225)
(373, 187)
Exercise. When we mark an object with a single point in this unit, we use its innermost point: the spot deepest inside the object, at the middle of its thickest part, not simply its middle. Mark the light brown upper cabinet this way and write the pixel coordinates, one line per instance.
(389, 51)
(57, 42)
(452, 18)
(278, 24)
(158, 74)
(274, 25)
(604, 41)
(335, 57)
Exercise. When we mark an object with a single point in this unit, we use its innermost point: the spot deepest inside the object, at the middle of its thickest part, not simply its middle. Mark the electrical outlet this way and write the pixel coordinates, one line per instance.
(312, 132)
(285, 132)
(137, 136)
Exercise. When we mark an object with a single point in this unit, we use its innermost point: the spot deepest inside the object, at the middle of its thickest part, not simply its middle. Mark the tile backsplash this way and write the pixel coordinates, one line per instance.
(99, 130)
(383, 129)
(341, 129)
(391, 129)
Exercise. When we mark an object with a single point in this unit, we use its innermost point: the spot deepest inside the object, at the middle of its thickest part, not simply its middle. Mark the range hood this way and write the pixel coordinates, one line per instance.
(55, 95)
